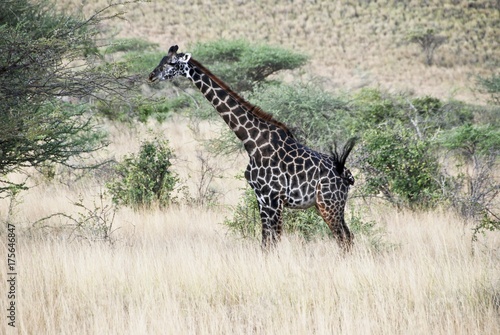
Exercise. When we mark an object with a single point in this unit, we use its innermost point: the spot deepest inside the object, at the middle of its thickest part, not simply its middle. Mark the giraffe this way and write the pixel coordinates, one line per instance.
(281, 171)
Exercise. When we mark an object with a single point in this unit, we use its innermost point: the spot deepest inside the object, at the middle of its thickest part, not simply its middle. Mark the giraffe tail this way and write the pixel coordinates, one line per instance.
(341, 157)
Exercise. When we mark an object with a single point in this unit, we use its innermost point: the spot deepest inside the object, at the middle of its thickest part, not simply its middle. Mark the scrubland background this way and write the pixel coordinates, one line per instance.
(350, 44)
(177, 270)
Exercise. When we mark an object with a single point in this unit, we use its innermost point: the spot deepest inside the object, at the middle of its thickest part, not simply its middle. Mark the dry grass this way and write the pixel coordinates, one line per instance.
(177, 271)
(351, 44)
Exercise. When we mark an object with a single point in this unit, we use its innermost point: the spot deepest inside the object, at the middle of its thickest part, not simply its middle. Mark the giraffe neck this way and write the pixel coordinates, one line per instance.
(247, 121)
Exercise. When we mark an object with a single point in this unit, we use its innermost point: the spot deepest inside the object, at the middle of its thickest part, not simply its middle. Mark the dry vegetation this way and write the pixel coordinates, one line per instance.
(178, 271)
(351, 44)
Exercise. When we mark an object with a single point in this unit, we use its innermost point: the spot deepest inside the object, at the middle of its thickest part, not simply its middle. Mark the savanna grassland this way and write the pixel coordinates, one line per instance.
(350, 44)
(177, 270)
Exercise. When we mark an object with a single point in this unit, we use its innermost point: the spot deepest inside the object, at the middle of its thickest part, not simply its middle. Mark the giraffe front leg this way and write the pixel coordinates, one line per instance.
(270, 214)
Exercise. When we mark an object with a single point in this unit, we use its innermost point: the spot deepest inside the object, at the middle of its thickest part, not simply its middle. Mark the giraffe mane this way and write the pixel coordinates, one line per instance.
(254, 110)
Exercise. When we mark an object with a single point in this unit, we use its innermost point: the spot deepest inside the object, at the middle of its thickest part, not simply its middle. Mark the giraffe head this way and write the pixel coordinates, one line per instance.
(340, 159)
(172, 65)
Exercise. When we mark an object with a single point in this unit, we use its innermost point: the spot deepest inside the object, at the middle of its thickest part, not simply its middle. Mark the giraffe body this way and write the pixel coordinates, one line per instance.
(281, 171)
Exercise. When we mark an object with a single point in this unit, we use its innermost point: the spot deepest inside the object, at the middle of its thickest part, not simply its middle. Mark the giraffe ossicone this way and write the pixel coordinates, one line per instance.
(281, 171)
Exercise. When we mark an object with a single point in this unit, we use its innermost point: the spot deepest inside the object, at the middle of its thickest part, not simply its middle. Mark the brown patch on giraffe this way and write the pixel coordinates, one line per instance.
(255, 110)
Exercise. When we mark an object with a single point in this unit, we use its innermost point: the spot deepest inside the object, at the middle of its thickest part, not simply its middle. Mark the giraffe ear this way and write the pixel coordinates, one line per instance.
(173, 49)
(185, 58)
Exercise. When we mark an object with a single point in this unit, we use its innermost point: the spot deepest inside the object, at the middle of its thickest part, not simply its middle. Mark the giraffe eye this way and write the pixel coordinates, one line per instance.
(172, 61)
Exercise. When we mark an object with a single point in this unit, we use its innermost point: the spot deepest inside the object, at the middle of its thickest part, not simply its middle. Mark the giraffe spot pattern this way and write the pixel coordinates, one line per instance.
(281, 171)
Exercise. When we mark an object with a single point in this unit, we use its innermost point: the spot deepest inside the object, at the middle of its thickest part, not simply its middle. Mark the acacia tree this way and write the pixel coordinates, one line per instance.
(49, 68)
(428, 41)
(475, 189)
(242, 64)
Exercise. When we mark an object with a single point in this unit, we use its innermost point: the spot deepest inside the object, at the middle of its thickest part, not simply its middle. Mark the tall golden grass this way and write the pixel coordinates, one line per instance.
(178, 270)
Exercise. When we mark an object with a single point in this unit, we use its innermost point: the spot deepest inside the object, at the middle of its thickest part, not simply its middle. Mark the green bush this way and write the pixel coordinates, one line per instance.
(491, 85)
(431, 115)
(316, 117)
(142, 63)
(470, 141)
(488, 222)
(399, 154)
(372, 107)
(242, 64)
(161, 108)
(425, 116)
(246, 221)
(144, 108)
(398, 158)
(145, 179)
(306, 223)
(130, 44)
(473, 186)
(399, 168)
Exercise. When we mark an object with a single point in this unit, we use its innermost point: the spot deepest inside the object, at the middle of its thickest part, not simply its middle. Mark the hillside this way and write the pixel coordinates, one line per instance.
(351, 44)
